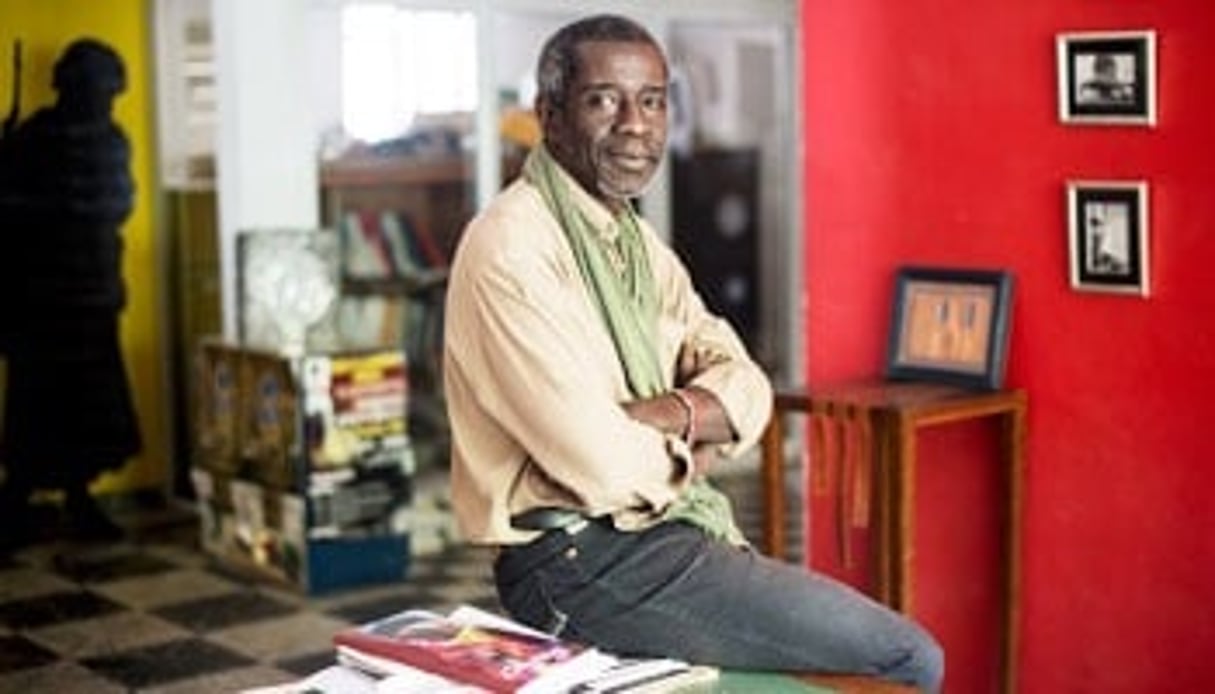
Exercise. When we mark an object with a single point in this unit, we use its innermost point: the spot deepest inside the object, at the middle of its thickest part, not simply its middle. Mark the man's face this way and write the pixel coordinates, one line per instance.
(612, 131)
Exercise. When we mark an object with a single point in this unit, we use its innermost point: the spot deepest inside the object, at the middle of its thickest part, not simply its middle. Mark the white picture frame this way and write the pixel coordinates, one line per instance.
(1107, 77)
(1108, 239)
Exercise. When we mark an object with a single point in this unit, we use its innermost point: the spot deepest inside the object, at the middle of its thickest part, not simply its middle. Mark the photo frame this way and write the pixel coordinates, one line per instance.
(1108, 236)
(950, 326)
(1107, 77)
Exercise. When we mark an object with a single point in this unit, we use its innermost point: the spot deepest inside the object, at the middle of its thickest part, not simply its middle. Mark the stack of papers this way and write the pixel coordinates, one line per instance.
(474, 651)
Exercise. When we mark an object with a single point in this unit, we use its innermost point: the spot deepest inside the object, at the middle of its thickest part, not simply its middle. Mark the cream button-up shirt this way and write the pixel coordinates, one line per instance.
(534, 385)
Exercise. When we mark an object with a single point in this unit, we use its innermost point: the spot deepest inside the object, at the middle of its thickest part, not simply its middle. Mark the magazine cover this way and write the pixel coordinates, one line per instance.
(483, 652)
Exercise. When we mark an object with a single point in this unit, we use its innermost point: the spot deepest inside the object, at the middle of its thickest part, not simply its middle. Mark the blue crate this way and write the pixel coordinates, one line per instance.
(336, 563)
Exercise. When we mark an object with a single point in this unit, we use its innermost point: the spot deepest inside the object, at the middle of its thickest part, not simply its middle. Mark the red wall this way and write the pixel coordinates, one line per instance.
(931, 137)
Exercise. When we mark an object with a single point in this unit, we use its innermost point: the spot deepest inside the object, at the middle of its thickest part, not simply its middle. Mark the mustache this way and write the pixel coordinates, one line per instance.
(633, 147)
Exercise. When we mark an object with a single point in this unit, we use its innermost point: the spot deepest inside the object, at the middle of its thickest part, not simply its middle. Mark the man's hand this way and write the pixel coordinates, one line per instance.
(704, 457)
(664, 412)
(668, 414)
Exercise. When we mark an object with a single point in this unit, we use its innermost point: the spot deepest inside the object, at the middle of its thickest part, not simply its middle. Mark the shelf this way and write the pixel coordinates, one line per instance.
(412, 285)
(360, 171)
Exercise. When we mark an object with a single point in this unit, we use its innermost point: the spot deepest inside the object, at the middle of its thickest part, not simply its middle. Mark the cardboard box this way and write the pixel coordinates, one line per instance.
(305, 467)
(270, 424)
(271, 533)
(275, 419)
(215, 437)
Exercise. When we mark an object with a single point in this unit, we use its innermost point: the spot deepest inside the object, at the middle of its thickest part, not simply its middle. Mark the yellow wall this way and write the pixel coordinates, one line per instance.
(45, 28)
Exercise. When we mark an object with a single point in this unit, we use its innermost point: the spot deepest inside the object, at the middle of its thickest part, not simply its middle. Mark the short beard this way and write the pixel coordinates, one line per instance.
(607, 187)
(609, 191)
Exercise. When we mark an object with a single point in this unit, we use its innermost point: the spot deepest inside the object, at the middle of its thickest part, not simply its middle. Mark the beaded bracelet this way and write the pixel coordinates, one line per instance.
(689, 434)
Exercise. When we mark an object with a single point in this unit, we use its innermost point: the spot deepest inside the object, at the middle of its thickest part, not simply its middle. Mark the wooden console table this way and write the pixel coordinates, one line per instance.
(893, 412)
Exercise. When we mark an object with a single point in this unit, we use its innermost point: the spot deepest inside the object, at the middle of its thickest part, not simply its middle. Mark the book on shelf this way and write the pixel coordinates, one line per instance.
(470, 650)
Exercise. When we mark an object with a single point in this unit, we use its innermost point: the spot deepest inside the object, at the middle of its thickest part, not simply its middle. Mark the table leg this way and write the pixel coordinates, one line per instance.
(884, 517)
(1013, 446)
(902, 466)
(772, 485)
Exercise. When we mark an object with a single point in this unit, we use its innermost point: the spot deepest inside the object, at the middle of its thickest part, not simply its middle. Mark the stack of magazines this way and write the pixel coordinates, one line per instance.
(473, 651)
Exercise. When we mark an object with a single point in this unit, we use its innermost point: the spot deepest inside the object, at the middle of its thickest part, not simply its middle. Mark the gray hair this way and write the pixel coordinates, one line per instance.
(558, 64)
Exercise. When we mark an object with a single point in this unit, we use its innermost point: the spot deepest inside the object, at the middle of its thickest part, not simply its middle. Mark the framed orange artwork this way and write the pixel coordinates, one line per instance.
(951, 326)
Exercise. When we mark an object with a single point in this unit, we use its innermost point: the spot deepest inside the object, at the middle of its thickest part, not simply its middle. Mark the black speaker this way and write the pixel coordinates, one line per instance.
(715, 229)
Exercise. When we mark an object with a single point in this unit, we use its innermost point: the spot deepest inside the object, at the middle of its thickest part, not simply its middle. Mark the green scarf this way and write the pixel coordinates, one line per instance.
(621, 282)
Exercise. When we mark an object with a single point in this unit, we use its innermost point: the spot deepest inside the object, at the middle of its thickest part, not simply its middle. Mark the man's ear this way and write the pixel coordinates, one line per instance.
(546, 111)
(549, 115)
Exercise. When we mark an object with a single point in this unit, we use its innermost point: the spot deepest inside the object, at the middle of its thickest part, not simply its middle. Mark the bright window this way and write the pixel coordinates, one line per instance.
(399, 63)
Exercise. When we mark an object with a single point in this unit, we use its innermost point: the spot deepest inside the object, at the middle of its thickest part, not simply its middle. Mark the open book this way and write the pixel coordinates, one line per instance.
(471, 650)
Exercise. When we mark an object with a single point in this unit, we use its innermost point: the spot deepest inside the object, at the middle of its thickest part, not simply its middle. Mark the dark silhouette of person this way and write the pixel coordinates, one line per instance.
(65, 190)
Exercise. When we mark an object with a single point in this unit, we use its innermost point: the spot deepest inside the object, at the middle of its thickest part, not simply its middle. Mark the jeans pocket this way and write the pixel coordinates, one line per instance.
(557, 583)
(534, 598)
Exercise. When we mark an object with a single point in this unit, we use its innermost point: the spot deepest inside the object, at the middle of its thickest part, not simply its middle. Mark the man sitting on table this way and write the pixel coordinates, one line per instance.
(590, 392)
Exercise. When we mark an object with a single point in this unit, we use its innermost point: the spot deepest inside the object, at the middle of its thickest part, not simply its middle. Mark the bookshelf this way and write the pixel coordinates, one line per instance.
(435, 192)
(400, 217)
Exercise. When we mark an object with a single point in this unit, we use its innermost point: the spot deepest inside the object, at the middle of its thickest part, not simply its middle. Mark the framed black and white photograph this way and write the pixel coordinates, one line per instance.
(1108, 236)
(1107, 77)
(950, 325)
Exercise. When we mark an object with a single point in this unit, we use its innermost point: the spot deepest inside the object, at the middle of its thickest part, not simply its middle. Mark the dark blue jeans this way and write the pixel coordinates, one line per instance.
(670, 591)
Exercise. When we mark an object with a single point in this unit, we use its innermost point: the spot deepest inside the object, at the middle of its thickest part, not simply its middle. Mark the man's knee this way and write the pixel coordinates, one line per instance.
(928, 665)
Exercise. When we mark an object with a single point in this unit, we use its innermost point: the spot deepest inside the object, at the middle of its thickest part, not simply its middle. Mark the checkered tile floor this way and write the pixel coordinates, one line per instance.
(154, 614)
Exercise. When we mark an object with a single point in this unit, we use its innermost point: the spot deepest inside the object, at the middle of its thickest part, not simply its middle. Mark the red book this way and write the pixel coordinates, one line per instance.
(476, 648)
